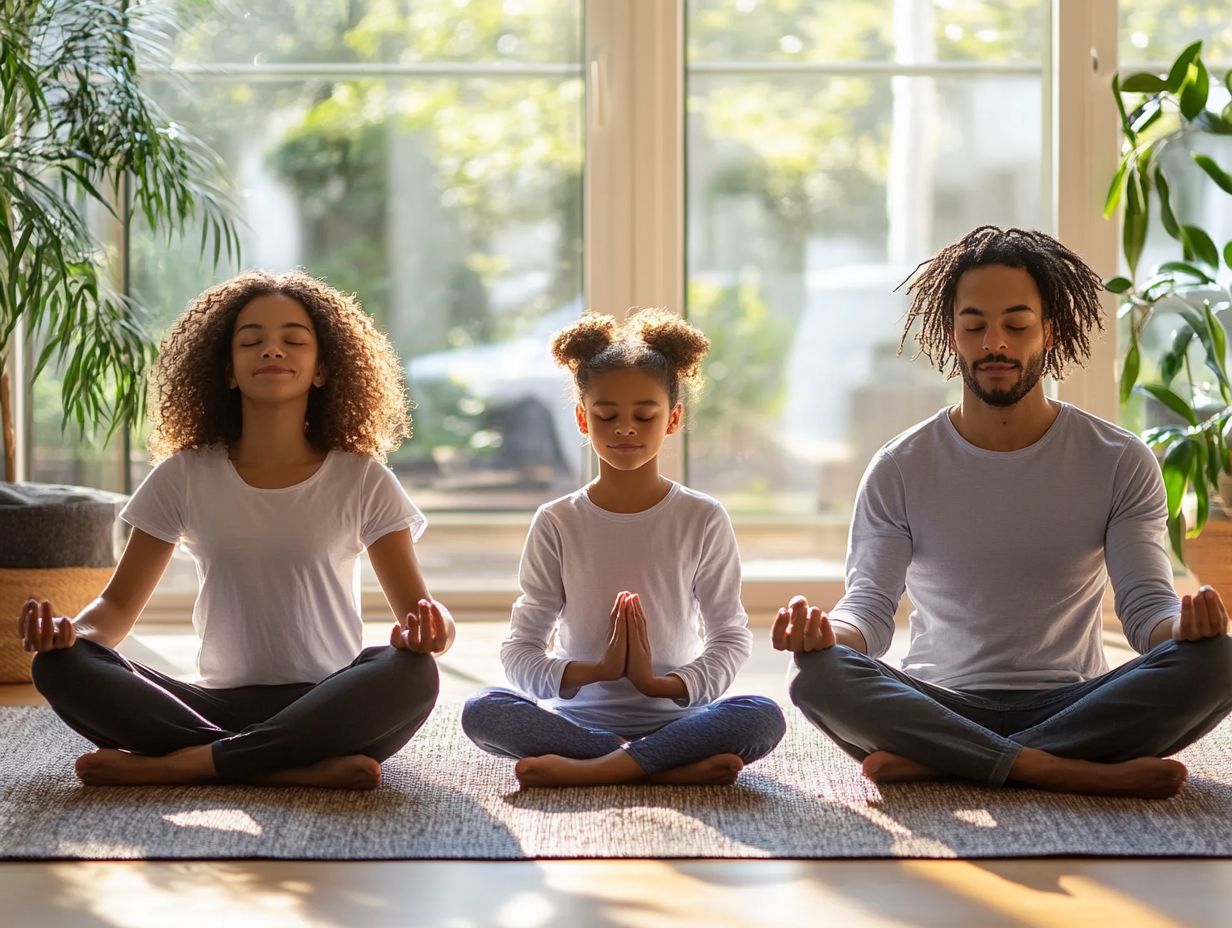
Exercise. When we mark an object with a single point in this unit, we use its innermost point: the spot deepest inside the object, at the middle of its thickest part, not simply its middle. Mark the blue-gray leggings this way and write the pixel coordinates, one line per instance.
(1150, 707)
(509, 724)
(373, 707)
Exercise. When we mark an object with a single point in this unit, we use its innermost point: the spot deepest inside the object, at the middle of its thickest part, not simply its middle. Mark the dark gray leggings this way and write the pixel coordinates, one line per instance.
(1150, 707)
(373, 707)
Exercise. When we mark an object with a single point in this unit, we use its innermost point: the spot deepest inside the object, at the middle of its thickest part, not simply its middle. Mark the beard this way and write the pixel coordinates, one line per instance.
(1029, 375)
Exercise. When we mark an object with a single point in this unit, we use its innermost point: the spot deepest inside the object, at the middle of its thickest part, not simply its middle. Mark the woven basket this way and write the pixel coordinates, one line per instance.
(68, 588)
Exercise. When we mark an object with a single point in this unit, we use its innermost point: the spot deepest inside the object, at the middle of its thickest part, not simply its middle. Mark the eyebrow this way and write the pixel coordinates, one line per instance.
(614, 403)
(976, 311)
(285, 325)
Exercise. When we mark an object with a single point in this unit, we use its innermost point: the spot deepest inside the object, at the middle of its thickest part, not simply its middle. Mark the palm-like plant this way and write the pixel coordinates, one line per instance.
(76, 129)
(1173, 112)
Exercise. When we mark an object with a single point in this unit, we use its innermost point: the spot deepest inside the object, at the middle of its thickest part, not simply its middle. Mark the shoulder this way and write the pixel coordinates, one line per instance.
(695, 502)
(1101, 440)
(190, 461)
(922, 437)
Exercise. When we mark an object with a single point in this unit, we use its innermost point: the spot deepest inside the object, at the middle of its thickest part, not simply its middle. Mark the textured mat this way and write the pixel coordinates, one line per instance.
(443, 798)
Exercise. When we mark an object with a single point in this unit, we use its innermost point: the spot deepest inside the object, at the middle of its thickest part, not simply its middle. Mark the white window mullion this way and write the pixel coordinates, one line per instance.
(634, 177)
(1084, 156)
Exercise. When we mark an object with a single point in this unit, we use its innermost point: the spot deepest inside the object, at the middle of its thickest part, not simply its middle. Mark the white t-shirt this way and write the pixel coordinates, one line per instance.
(680, 556)
(1005, 555)
(278, 569)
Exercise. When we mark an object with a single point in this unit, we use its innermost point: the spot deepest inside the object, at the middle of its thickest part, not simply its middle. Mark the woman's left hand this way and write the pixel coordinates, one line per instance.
(428, 631)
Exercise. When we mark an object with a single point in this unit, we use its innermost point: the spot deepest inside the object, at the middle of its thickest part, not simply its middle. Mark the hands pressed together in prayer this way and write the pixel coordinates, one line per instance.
(627, 653)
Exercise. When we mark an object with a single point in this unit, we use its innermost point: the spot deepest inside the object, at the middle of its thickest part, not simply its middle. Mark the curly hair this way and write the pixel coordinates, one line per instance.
(653, 340)
(1069, 292)
(362, 407)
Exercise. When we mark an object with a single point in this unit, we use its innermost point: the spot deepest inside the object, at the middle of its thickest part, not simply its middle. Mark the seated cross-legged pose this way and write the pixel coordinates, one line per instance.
(277, 399)
(638, 578)
(1004, 517)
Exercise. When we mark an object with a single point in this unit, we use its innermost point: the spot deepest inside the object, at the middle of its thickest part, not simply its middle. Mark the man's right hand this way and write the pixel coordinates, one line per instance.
(800, 627)
(41, 630)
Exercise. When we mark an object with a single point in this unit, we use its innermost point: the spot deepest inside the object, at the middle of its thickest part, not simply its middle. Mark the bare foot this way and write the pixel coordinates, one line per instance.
(719, 770)
(108, 767)
(554, 770)
(355, 771)
(884, 767)
(1142, 778)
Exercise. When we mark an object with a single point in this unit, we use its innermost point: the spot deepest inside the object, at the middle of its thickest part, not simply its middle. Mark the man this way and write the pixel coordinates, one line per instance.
(1003, 517)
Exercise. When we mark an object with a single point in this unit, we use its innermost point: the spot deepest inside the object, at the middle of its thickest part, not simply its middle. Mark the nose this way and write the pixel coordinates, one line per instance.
(626, 427)
(994, 339)
(272, 350)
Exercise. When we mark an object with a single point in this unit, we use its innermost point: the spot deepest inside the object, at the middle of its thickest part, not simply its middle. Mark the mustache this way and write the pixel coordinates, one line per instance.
(994, 359)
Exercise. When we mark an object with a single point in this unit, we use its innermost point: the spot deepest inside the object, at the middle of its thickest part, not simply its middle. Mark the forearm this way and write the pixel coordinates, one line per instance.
(582, 673)
(104, 622)
(849, 635)
(1161, 632)
(669, 686)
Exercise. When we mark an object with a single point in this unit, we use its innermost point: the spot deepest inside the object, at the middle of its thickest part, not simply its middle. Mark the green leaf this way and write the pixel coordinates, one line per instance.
(1169, 399)
(1133, 233)
(1129, 373)
(1174, 536)
(1215, 172)
(1119, 284)
(1166, 216)
(1144, 82)
(1217, 356)
(1201, 491)
(1116, 190)
(1200, 246)
(1183, 267)
(1177, 466)
(1126, 125)
(1174, 358)
(1227, 254)
(1196, 89)
(1180, 67)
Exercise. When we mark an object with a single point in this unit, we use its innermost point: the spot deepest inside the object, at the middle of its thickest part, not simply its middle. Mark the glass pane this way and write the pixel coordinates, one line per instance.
(811, 197)
(329, 32)
(864, 31)
(1152, 34)
(446, 192)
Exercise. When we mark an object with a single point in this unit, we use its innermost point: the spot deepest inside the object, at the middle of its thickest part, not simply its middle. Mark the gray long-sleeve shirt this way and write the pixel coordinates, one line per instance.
(1005, 555)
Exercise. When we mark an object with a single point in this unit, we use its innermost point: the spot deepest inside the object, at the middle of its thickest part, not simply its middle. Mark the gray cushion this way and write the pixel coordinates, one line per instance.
(42, 525)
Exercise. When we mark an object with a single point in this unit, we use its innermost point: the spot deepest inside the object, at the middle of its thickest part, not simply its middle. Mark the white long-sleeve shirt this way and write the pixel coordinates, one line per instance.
(1005, 555)
(680, 556)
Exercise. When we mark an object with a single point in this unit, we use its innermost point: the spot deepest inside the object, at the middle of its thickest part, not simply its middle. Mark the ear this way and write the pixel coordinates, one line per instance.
(1049, 335)
(580, 414)
(319, 378)
(674, 417)
(232, 383)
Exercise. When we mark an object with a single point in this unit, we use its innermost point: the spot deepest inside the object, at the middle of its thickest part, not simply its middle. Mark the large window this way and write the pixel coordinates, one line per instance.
(442, 158)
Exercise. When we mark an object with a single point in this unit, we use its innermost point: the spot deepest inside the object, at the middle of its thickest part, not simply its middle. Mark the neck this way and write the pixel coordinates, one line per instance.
(273, 435)
(628, 490)
(1004, 428)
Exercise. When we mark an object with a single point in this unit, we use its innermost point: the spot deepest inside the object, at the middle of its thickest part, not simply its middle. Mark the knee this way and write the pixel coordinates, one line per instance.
(57, 673)
(415, 678)
(771, 725)
(1208, 663)
(820, 674)
(482, 710)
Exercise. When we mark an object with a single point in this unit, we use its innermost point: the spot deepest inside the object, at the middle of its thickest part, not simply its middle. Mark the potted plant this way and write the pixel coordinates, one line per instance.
(1172, 140)
(78, 131)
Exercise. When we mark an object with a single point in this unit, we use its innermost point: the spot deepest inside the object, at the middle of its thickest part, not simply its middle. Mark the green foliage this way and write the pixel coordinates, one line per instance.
(78, 131)
(1159, 111)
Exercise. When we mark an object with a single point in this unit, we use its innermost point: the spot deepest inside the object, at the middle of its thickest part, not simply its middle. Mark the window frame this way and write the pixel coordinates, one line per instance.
(634, 214)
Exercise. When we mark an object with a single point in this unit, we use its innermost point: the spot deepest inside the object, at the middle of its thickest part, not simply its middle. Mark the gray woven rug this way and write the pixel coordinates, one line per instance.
(443, 798)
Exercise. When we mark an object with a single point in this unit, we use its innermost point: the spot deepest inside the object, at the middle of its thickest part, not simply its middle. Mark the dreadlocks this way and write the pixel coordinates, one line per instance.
(1068, 288)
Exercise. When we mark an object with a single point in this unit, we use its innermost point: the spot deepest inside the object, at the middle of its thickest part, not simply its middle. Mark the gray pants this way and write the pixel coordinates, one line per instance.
(373, 707)
(509, 724)
(1150, 707)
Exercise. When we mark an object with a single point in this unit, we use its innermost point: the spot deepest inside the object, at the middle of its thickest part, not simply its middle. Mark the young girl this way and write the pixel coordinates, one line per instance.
(277, 399)
(622, 571)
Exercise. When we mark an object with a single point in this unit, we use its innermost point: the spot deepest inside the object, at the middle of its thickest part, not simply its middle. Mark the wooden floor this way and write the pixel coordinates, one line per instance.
(602, 894)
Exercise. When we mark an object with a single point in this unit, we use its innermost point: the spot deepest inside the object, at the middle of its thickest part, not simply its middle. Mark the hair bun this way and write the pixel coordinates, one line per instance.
(683, 345)
(577, 343)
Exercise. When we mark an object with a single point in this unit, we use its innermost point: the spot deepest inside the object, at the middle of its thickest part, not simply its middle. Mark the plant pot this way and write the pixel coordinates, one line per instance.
(1209, 556)
(56, 543)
